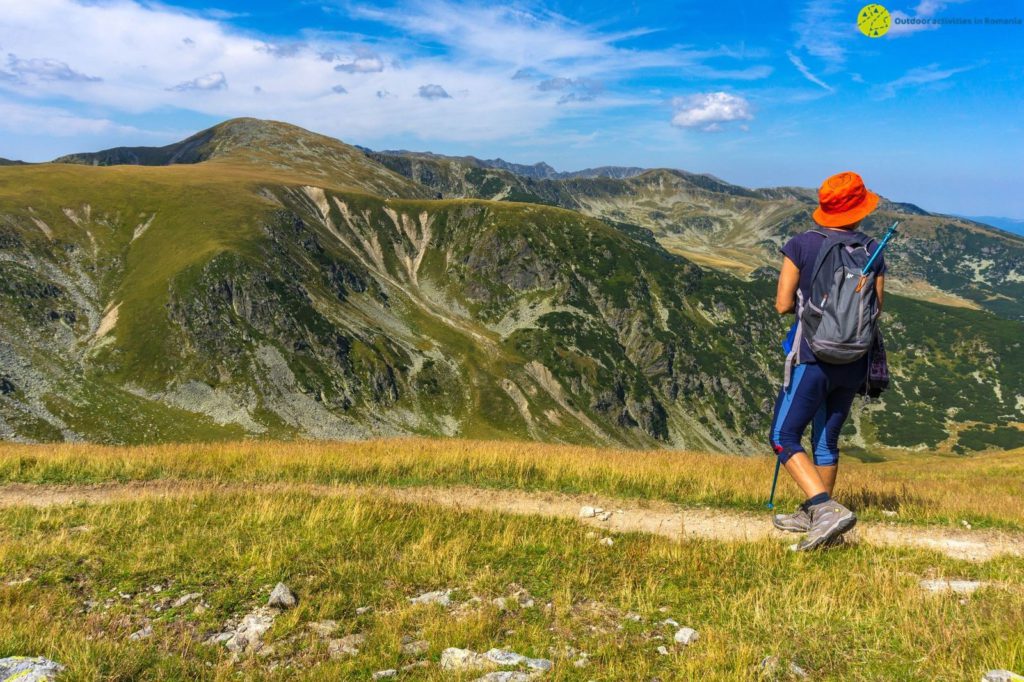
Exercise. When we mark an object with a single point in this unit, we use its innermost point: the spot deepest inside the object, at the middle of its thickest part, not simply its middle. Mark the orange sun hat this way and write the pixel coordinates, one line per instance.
(843, 199)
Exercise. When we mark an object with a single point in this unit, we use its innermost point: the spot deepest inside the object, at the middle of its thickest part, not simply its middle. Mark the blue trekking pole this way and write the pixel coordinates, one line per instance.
(889, 234)
(771, 498)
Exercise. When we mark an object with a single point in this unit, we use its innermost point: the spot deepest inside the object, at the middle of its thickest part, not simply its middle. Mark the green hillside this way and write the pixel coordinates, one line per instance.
(277, 286)
(944, 259)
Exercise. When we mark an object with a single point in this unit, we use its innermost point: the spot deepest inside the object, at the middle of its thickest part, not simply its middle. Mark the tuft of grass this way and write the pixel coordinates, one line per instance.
(984, 489)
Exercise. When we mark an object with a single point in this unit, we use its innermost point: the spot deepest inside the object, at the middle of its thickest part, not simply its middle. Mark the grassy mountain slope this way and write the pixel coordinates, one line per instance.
(938, 258)
(244, 294)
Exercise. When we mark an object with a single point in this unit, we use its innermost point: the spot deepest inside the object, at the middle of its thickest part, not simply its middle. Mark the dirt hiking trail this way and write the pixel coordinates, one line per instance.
(654, 517)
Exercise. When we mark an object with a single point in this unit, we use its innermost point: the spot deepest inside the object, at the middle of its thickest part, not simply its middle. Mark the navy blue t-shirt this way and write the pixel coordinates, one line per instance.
(803, 250)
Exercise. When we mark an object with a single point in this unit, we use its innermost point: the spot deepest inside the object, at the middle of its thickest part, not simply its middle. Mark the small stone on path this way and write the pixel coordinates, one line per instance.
(381, 674)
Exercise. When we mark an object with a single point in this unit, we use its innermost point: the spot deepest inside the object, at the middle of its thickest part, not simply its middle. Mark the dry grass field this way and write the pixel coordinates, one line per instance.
(139, 587)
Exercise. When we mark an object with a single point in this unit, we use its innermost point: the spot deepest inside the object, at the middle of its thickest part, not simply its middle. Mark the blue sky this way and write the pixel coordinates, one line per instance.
(756, 93)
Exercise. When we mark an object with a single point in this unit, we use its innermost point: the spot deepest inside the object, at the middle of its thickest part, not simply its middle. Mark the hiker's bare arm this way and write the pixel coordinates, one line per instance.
(789, 279)
(880, 290)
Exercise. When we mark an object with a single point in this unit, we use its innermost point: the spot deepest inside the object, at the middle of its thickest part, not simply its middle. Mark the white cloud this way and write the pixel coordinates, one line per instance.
(708, 110)
(140, 57)
(433, 91)
(211, 81)
(365, 63)
(802, 68)
(42, 69)
(27, 119)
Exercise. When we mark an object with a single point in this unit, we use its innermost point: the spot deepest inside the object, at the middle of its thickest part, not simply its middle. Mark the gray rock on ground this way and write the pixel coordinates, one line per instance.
(323, 628)
(506, 676)
(282, 598)
(142, 633)
(686, 636)
(1001, 676)
(247, 636)
(504, 657)
(769, 666)
(442, 597)
(414, 647)
(382, 674)
(184, 599)
(28, 669)
(346, 646)
(454, 658)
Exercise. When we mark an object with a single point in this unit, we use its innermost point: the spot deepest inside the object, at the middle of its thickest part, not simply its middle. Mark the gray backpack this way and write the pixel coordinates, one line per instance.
(840, 320)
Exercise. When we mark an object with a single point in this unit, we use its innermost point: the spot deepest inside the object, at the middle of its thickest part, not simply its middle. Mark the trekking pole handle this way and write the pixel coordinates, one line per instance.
(890, 233)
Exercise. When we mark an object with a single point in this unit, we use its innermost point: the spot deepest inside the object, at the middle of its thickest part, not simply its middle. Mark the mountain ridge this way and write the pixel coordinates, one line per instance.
(289, 286)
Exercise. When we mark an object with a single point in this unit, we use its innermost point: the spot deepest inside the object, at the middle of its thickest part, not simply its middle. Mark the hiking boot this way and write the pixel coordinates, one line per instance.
(797, 522)
(829, 520)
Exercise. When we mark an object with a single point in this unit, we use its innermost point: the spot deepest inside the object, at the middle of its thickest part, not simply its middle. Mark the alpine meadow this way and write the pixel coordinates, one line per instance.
(319, 360)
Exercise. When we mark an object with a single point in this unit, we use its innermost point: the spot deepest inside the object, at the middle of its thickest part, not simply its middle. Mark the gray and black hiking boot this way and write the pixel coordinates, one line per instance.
(797, 522)
(829, 520)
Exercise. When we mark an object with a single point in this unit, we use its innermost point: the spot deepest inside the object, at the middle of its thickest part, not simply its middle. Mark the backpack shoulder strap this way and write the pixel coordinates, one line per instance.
(823, 254)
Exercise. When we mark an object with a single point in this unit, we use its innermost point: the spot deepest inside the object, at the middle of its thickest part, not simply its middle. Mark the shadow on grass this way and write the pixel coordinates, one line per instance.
(866, 498)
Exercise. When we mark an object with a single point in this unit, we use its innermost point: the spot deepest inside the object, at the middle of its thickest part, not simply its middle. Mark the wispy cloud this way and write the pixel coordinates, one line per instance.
(823, 28)
(802, 68)
(27, 119)
(709, 110)
(433, 91)
(43, 69)
(930, 75)
(211, 81)
(364, 62)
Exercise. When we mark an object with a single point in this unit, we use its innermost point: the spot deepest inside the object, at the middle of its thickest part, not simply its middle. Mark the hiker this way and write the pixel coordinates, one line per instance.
(828, 361)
